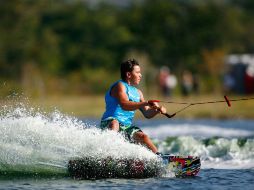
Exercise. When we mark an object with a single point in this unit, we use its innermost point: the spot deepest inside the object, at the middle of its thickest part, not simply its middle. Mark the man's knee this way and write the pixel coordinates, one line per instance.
(114, 125)
(141, 136)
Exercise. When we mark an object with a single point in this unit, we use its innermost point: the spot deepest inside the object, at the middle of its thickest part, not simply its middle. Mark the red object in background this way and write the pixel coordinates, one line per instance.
(249, 84)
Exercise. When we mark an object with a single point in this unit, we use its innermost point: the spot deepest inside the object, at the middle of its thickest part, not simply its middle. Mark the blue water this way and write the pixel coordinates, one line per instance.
(35, 148)
(207, 179)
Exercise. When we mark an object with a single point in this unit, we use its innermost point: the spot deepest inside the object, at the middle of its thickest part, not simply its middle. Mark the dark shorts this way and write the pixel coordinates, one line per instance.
(127, 131)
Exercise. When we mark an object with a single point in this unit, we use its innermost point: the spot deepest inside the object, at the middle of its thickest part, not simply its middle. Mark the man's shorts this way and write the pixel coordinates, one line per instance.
(128, 131)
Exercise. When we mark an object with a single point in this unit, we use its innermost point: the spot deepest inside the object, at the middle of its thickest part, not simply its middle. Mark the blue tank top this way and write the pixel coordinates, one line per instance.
(113, 108)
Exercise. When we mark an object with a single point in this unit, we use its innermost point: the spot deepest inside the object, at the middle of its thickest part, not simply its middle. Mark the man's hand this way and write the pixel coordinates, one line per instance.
(156, 106)
(163, 110)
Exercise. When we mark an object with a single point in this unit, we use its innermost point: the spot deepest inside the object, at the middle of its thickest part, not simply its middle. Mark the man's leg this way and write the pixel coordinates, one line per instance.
(142, 138)
(114, 125)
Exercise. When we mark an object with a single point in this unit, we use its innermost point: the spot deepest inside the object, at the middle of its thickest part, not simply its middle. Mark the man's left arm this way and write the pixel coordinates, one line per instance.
(152, 110)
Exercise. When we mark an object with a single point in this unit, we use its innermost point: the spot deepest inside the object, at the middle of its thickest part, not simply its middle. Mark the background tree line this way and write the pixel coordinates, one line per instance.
(63, 46)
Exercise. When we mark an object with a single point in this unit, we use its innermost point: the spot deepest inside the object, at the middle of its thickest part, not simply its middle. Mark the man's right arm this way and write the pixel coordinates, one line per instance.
(118, 92)
(152, 110)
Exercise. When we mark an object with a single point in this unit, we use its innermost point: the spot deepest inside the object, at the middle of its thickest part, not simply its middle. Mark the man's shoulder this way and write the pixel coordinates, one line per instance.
(117, 87)
(118, 84)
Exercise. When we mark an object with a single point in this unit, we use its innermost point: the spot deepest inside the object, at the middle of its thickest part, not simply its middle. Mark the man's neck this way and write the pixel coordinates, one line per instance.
(128, 82)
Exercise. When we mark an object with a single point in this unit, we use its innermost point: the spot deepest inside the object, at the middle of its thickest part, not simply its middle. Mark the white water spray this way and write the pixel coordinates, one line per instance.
(32, 141)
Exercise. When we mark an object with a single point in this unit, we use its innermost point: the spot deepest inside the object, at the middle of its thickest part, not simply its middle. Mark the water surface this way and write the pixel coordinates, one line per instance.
(35, 148)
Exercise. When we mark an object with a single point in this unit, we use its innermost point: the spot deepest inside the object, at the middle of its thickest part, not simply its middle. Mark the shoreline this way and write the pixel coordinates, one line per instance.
(93, 106)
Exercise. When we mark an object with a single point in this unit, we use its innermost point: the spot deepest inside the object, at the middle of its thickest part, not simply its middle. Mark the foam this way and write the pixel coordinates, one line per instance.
(30, 139)
(196, 130)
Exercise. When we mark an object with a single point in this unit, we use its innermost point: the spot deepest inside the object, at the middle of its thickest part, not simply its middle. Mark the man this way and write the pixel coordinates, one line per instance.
(122, 99)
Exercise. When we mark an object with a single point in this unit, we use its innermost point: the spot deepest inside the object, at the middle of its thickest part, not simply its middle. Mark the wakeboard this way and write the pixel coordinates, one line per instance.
(188, 166)
(91, 168)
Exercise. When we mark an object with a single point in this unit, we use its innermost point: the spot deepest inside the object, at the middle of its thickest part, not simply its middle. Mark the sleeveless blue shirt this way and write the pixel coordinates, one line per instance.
(113, 108)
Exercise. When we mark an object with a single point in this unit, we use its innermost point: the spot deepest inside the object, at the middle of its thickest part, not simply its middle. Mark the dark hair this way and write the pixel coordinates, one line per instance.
(127, 66)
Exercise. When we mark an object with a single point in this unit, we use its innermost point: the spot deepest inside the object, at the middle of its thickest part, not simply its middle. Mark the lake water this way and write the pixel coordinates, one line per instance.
(35, 148)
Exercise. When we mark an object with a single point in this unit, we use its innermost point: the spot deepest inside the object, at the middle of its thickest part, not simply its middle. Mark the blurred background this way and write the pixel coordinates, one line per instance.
(66, 53)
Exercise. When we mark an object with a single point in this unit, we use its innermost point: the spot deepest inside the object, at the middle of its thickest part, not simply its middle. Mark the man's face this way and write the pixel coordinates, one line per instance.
(135, 76)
